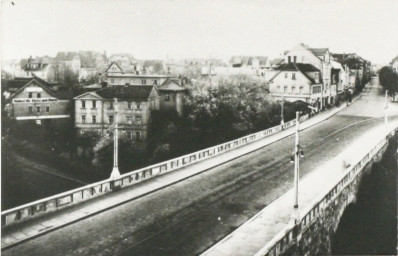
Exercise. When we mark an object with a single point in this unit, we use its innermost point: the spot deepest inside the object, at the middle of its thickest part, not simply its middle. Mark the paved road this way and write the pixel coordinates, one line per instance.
(188, 217)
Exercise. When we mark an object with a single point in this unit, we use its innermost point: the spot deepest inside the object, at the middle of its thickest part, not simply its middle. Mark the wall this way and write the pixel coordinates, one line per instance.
(22, 102)
(69, 198)
(312, 233)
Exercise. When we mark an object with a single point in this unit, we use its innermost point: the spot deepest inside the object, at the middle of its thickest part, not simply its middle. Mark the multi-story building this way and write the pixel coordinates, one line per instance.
(95, 111)
(172, 95)
(36, 100)
(320, 59)
(297, 81)
(358, 67)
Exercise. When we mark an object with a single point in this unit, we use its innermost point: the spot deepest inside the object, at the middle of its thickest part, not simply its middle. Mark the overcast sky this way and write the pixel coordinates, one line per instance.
(200, 28)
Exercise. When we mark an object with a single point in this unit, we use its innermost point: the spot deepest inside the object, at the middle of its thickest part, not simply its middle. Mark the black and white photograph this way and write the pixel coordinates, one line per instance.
(199, 127)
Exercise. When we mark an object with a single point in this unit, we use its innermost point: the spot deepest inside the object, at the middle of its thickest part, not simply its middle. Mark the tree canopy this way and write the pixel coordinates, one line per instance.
(389, 80)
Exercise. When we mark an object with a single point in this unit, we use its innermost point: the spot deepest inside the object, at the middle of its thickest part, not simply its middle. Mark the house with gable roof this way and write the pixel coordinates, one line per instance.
(297, 82)
(95, 111)
(38, 100)
(319, 58)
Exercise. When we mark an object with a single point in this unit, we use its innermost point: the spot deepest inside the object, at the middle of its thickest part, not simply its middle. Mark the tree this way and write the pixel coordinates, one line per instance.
(389, 80)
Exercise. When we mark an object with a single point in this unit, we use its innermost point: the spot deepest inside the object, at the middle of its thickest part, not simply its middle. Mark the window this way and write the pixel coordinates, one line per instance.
(129, 105)
(295, 59)
(289, 59)
(38, 109)
(301, 89)
(111, 105)
(167, 97)
(285, 89)
(83, 119)
(285, 75)
(138, 136)
(293, 88)
(38, 95)
(47, 109)
(138, 105)
(94, 118)
(155, 82)
(138, 119)
(129, 135)
(110, 119)
(278, 88)
(83, 104)
(30, 95)
(143, 81)
(94, 104)
(129, 120)
(30, 109)
(293, 76)
(112, 80)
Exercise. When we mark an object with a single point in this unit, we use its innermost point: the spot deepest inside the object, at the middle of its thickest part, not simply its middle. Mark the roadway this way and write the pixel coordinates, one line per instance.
(192, 215)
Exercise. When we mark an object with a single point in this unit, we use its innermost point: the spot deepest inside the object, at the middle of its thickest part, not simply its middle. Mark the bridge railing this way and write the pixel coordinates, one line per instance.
(68, 198)
(283, 239)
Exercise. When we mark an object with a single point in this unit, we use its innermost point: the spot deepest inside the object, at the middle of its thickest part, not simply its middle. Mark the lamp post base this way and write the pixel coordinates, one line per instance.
(115, 173)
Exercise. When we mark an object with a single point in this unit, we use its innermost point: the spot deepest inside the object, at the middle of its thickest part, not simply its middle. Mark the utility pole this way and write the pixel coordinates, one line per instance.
(282, 106)
(385, 109)
(296, 162)
(115, 171)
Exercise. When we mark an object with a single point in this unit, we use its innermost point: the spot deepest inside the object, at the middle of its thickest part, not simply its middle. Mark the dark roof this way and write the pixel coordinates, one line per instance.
(16, 83)
(319, 51)
(126, 92)
(300, 67)
(303, 67)
(171, 85)
(61, 93)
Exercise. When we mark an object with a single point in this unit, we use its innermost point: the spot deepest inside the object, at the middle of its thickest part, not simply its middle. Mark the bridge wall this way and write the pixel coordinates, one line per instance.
(72, 197)
(312, 233)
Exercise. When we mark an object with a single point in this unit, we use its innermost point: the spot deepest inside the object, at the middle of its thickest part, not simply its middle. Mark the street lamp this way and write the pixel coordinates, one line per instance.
(297, 153)
(282, 105)
(115, 171)
(385, 109)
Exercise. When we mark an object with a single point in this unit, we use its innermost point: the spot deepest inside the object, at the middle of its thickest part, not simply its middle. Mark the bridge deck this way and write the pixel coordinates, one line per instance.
(251, 237)
(15, 234)
(190, 216)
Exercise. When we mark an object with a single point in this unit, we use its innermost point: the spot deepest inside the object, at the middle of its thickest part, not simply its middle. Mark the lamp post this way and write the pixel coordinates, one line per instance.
(385, 109)
(297, 153)
(282, 106)
(115, 171)
(296, 162)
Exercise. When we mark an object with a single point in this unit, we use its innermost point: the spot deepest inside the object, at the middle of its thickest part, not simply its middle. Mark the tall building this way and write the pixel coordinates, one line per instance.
(95, 111)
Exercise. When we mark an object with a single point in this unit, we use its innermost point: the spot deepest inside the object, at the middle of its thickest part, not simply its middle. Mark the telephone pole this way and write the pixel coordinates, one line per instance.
(115, 171)
(385, 109)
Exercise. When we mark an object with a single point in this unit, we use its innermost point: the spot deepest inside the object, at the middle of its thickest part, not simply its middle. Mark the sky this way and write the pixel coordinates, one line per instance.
(155, 29)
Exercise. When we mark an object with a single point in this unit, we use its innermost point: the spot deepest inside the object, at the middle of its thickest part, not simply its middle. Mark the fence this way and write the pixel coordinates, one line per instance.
(282, 240)
(68, 198)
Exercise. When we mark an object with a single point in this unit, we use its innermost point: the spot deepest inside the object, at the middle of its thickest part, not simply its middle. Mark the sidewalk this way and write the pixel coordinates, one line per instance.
(262, 228)
(14, 235)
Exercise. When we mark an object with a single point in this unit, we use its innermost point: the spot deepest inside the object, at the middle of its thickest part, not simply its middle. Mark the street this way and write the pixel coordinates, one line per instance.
(192, 215)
